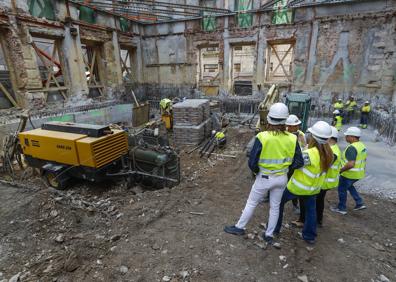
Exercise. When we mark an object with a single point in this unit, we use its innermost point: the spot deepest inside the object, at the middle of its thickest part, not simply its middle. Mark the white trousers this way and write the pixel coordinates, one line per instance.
(275, 184)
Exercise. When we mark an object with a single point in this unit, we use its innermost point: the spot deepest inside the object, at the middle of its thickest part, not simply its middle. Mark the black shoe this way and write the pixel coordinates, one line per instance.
(268, 239)
(359, 207)
(234, 230)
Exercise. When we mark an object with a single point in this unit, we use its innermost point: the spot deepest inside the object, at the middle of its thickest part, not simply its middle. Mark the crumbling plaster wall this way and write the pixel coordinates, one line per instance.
(17, 37)
(335, 54)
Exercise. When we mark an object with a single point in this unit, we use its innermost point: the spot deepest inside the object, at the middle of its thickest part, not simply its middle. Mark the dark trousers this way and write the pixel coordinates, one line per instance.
(344, 186)
(320, 202)
(349, 116)
(364, 119)
(309, 203)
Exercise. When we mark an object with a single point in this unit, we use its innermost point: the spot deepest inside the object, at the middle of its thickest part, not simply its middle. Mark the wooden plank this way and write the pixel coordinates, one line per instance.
(8, 95)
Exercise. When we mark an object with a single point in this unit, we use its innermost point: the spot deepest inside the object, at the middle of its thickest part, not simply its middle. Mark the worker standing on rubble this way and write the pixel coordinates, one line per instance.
(331, 182)
(350, 109)
(337, 119)
(354, 165)
(308, 181)
(274, 151)
(364, 114)
(293, 126)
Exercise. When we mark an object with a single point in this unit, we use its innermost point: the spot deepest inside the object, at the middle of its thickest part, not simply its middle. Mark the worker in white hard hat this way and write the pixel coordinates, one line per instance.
(337, 119)
(307, 182)
(350, 107)
(293, 126)
(354, 167)
(331, 181)
(364, 114)
(339, 105)
(274, 152)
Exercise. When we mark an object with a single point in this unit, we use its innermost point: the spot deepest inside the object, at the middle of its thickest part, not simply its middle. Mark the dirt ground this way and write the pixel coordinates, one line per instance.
(105, 232)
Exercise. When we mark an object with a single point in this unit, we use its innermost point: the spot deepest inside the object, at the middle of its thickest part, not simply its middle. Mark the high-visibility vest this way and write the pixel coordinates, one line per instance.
(166, 104)
(338, 124)
(219, 135)
(333, 174)
(277, 152)
(366, 109)
(338, 105)
(308, 180)
(359, 170)
(350, 105)
(300, 133)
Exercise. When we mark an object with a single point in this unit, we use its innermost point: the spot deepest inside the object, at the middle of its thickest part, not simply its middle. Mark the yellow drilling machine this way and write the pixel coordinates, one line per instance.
(63, 151)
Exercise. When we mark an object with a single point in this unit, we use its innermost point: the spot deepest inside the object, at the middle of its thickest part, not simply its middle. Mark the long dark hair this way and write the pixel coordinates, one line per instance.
(276, 129)
(325, 153)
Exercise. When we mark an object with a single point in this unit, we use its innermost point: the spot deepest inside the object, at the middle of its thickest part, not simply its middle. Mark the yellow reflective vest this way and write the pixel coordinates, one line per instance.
(338, 105)
(219, 135)
(338, 123)
(359, 170)
(366, 109)
(308, 180)
(350, 105)
(277, 152)
(333, 174)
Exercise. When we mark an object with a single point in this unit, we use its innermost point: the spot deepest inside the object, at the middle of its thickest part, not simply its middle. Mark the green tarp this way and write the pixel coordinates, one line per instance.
(208, 22)
(244, 19)
(42, 9)
(282, 14)
(124, 25)
(87, 15)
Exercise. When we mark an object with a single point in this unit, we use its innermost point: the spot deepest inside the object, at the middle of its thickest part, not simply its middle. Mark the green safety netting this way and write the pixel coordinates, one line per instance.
(124, 24)
(208, 22)
(42, 9)
(244, 19)
(282, 14)
(87, 14)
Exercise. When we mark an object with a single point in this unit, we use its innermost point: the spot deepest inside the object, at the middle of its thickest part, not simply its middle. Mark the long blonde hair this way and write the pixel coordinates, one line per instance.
(325, 153)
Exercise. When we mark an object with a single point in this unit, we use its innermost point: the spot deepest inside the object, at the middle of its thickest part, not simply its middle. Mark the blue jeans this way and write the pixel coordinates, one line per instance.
(345, 185)
(309, 229)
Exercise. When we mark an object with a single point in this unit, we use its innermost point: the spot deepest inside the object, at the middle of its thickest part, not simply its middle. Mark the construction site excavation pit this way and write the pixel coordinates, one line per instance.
(134, 135)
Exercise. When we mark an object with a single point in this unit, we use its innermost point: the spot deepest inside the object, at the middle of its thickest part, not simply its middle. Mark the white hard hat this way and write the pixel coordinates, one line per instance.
(293, 120)
(334, 132)
(213, 132)
(336, 112)
(278, 113)
(339, 99)
(353, 131)
(367, 102)
(321, 129)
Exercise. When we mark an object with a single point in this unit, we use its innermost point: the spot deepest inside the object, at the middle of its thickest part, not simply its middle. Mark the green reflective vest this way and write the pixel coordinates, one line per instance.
(308, 180)
(333, 174)
(338, 106)
(359, 170)
(338, 123)
(277, 152)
